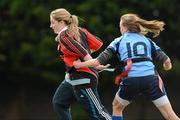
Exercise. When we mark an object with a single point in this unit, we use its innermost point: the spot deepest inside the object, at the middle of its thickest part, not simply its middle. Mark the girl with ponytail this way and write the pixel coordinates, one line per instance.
(140, 77)
(79, 84)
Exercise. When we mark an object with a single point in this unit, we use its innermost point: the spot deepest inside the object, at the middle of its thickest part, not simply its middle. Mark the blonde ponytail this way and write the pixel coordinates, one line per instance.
(73, 27)
(136, 24)
(153, 26)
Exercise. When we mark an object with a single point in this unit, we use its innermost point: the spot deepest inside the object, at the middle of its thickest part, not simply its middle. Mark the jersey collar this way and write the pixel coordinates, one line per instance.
(57, 37)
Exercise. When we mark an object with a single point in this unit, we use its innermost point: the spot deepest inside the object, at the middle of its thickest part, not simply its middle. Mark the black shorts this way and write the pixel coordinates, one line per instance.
(151, 87)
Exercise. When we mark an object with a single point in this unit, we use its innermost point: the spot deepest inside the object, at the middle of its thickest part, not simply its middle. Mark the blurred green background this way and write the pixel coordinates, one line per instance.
(30, 69)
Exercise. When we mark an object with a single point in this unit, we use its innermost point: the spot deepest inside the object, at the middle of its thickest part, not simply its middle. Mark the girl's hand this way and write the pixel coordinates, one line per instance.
(87, 63)
(77, 63)
(167, 64)
(101, 67)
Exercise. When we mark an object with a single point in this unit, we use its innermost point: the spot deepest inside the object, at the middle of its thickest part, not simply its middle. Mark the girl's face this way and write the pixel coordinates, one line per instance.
(57, 26)
(123, 29)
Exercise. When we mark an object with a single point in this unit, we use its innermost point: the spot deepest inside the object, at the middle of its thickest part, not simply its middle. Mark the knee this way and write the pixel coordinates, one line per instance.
(54, 100)
(59, 104)
(55, 104)
(117, 108)
(116, 105)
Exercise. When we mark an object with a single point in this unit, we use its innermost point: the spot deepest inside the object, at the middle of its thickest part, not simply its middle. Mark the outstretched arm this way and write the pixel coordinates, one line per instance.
(88, 63)
(100, 60)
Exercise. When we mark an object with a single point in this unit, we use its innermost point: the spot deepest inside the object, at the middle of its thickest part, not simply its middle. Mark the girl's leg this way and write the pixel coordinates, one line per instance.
(118, 106)
(165, 108)
(89, 99)
(62, 100)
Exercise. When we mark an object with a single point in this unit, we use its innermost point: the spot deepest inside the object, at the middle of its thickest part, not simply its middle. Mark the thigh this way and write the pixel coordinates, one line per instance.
(89, 99)
(86, 95)
(153, 87)
(64, 94)
(128, 89)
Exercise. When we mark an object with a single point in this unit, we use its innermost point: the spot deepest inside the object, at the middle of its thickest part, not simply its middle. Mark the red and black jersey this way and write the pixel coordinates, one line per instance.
(71, 50)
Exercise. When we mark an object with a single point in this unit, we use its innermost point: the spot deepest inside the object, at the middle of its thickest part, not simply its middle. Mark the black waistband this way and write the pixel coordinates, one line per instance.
(135, 60)
(70, 69)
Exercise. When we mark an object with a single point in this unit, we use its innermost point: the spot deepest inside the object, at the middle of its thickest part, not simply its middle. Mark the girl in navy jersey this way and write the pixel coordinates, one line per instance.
(137, 52)
(80, 84)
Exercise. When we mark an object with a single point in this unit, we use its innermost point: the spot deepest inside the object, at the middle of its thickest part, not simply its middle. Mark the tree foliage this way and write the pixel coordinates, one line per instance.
(27, 46)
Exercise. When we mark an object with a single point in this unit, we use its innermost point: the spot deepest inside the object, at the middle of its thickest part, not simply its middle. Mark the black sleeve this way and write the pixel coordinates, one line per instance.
(160, 56)
(157, 54)
(105, 56)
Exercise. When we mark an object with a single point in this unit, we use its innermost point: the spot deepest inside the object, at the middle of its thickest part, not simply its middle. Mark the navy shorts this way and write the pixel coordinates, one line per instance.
(151, 87)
